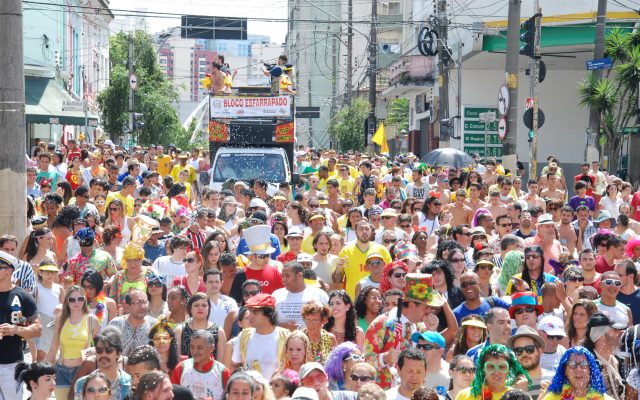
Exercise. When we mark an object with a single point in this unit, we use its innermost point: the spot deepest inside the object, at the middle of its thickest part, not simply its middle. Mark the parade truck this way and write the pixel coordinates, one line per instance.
(252, 136)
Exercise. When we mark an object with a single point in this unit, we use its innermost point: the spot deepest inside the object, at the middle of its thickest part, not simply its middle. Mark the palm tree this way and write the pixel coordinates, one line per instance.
(615, 97)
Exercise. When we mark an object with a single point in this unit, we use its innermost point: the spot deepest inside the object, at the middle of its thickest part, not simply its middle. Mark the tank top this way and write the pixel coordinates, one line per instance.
(74, 338)
(203, 385)
(126, 234)
(366, 183)
(187, 331)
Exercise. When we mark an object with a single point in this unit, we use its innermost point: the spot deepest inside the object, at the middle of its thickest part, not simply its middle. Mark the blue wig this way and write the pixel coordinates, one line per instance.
(596, 382)
(333, 366)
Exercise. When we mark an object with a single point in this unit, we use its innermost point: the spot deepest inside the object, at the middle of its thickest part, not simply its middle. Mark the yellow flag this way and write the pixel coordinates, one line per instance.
(380, 139)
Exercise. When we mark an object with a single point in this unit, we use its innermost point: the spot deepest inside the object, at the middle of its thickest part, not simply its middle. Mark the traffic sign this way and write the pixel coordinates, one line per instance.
(529, 103)
(527, 118)
(599, 63)
(503, 100)
(481, 137)
(502, 127)
(133, 82)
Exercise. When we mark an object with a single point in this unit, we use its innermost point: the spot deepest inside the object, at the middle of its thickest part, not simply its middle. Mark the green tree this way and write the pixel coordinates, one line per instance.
(154, 95)
(399, 113)
(347, 127)
(614, 97)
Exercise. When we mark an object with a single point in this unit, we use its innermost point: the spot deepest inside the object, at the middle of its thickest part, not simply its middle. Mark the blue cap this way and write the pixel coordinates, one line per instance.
(431, 337)
(85, 233)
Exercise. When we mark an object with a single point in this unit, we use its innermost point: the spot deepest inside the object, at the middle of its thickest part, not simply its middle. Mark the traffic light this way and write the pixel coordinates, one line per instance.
(138, 121)
(530, 27)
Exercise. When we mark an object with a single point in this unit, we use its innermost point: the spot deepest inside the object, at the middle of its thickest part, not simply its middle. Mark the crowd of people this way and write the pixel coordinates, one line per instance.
(373, 279)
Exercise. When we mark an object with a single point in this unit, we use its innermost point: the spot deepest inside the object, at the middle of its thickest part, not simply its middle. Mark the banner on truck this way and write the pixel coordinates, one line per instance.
(218, 131)
(240, 107)
(284, 133)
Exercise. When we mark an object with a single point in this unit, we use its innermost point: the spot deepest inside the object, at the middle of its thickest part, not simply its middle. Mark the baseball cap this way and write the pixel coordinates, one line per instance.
(374, 255)
(148, 174)
(260, 300)
(552, 326)
(309, 367)
(600, 319)
(432, 337)
(258, 202)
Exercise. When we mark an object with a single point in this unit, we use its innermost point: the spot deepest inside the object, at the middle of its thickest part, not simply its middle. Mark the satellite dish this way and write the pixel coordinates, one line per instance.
(427, 41)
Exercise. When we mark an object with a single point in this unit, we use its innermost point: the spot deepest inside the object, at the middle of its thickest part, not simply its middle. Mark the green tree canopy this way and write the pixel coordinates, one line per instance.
(399, 113)
(347, 127)
(154, 95)
(614, 97)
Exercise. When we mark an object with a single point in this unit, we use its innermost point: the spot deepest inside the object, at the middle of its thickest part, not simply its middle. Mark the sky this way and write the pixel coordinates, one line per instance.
(221, 8)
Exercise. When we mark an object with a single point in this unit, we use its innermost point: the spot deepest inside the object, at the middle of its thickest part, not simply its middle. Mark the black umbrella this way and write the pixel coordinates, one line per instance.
(447, 157)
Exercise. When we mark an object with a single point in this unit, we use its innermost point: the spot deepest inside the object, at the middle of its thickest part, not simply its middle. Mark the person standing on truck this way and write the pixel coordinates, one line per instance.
(365, 181)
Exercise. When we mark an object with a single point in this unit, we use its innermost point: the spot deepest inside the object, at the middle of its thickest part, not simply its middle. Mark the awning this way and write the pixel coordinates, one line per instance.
(44, 100)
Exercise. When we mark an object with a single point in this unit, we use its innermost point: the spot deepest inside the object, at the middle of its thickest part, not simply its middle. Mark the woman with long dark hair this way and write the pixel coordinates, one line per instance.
(280, 229)
(472, 332)
(297, 215)
(577, 320)
(368, 306)
(39, 246)
(428, 216)
(342, 321)
(444, 278)
(163, 338)
(157, 295)
(103, 307)
(116, 215)
(40, 379)
(210, 255)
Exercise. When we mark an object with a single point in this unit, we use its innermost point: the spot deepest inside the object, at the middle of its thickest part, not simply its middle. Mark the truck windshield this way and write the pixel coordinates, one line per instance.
(245, 166)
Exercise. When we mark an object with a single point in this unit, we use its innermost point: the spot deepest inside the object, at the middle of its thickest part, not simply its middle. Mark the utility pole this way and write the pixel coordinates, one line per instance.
(373, 66)
(310, 120)
(132, 93)
(535, 92)
(13, 183)
(85, 105)
(349, 81)
(443, 62)
(594, 118)
(509, 146)
(334, 77)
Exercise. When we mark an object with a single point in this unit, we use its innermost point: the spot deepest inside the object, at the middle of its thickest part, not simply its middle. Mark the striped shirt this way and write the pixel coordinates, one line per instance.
(25, 275)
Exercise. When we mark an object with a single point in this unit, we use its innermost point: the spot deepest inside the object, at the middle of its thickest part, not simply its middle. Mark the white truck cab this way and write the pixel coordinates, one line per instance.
(245, 163)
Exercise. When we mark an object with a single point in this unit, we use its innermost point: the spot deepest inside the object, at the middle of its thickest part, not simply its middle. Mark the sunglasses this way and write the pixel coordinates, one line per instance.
(612, 282)
(521, 310)
(387, 241)
(375, 262)
(465, 285)
(190, 260)
(466, 370)
(78, 299)
(555, 337)
(505, 225)
(361, 378)
(427, 346)
(457, 260)
(490, 367)
(155, 283)
(108, 350)
(529, 349)
(405, 226)
(86, 242)
(399, 275)
(532, 256)
(576, 279)
(485, 267)
(578, 364)
(262, 256)
(252, 293)
(98, 389)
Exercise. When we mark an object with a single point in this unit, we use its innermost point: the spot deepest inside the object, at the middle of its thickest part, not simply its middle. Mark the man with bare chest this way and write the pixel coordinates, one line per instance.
(490, 177)
(495, 206)
(566, 231)
(551, 190)
(460, 212)
(474, 202)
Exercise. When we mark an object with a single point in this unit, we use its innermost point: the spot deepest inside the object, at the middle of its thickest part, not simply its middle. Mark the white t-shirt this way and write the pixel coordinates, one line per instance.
(618, 314)
(169, 269)
(262, 351)
(419, 192)
(551, 361)
(324, 269)
(48, 299)
(289, 305)
(393, 394)
(219, 311)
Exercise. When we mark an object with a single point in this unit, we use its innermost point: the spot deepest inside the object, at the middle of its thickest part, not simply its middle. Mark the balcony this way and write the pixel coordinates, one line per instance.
(414, 72)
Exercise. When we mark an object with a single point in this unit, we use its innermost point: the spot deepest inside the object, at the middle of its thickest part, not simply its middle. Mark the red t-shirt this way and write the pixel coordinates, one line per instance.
(182, 280)
(270, 278)
(635, 206)
(602, 266)
(595, 285)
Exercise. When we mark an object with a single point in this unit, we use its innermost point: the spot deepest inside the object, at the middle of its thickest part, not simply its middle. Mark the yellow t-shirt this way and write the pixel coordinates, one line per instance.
(164, 164)
(465, 394)
(307, 245)
(346, 185)
(176, 170)
(129, 202)
(354, 269)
